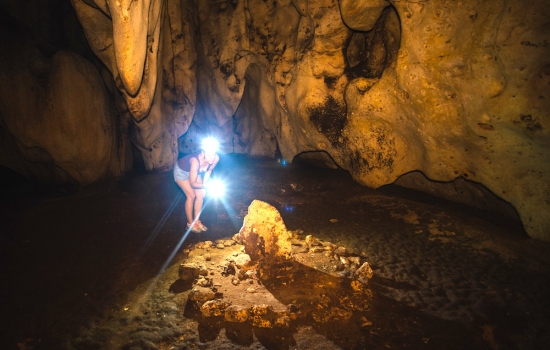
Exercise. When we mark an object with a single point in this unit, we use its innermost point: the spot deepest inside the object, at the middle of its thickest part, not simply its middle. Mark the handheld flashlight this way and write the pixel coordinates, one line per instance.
(215, 188)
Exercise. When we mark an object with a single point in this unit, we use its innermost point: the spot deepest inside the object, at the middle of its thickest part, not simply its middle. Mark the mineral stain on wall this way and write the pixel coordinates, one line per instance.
(329, 119)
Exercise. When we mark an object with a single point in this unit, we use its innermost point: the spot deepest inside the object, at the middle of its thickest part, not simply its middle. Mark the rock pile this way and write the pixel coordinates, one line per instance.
(275, 277)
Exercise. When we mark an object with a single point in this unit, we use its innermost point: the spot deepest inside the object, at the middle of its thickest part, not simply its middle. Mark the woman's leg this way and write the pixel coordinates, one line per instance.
(199, 197)
(189, 198)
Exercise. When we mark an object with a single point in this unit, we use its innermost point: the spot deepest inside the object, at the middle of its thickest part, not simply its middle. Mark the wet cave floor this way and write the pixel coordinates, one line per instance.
(97, 268)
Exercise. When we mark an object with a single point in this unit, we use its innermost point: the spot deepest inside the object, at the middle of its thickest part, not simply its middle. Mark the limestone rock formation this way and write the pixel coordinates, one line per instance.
(384, 88)
(264, 234)
(148, 47)
(57, 123)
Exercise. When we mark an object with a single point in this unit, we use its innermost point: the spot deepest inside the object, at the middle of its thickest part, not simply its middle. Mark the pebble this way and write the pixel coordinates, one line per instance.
(241, 260)
(310, 240)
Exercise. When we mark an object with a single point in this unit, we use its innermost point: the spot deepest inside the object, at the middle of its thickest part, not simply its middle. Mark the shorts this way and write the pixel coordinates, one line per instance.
(179, 174)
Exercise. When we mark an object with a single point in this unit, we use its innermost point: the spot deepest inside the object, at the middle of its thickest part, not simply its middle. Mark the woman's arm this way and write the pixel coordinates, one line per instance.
(209, 172)
(194, 179)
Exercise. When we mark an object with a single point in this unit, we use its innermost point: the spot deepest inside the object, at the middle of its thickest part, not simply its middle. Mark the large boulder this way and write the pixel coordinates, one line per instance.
(57, 121)
(264, 234)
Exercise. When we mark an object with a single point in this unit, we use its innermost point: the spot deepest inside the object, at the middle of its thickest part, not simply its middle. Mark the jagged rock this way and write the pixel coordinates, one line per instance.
(236, 313)
(229, 269)
(310, 240)
(282, 320)
(204, 282)
(214, 308)
(263, 316)
(201, 294)
(241, 260)
(355, 260)
(247, 274)
(364, 273)
(264, 233)
(188, 272)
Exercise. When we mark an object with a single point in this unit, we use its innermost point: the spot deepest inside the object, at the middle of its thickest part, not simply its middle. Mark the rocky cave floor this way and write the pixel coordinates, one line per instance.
(98, 267)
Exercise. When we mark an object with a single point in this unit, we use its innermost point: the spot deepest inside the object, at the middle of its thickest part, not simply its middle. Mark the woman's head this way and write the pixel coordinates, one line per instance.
(209, 146)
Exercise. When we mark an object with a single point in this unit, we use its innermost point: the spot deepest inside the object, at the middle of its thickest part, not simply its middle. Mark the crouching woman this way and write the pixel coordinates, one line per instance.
(191, 173)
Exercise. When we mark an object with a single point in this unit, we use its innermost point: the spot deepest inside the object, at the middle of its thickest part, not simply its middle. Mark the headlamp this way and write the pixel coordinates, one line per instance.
(210, 145)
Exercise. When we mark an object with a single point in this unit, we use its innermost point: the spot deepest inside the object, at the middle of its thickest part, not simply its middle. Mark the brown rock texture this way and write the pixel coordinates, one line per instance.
(264, 234)
(451, 89)
(149, 49)
(57, 122)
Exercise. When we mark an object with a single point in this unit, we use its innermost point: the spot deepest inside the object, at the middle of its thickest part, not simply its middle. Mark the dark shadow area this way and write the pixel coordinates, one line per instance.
(368, 54)
(339, 312)
(180, 286)
(68, 259)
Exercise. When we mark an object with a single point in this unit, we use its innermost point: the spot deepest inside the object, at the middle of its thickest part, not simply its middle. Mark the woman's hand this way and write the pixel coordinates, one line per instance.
(194, 179)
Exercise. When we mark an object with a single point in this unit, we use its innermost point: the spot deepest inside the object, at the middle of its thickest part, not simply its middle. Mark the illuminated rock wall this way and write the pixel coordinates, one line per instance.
(452, 89)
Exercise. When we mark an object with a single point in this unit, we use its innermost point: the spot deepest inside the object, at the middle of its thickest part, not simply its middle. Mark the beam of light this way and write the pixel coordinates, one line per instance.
(152, 236)
(172, 254)
(155, 279)
(217, 193)
(231, 213)
(161, 223)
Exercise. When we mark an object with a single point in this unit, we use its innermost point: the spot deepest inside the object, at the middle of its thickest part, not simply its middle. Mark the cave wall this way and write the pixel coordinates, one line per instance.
(455, 90)
(58, 124)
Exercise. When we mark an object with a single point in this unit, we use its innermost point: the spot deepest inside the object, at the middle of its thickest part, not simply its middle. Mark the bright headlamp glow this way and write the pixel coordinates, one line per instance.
(215, 188)
(210, 145)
